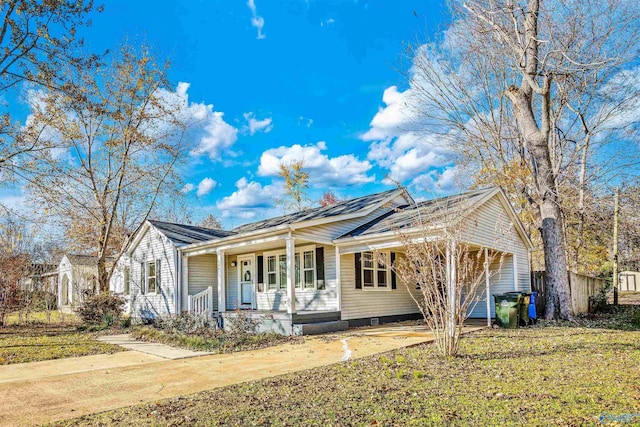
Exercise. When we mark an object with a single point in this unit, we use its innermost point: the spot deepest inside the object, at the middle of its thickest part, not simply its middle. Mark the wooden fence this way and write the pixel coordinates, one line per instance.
(582, 288)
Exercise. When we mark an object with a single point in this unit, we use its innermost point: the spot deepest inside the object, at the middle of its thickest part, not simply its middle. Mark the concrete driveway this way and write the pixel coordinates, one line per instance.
(42, 392)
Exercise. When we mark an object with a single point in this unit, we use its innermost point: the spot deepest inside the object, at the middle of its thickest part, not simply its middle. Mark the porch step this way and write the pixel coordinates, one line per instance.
(320, 327)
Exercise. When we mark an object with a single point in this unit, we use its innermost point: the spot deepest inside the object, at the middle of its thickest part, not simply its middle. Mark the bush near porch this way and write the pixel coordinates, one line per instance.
(565, 375)
(195, 333)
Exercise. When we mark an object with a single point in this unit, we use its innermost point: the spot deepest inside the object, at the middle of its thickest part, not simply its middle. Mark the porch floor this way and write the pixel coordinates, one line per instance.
(304, 316)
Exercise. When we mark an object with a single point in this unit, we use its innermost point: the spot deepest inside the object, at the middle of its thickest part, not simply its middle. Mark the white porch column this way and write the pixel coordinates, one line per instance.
(338, 281)
(451, 285)
(222, 285)
(185, 283)
(486, 281)
(291, 283)
(516, 285)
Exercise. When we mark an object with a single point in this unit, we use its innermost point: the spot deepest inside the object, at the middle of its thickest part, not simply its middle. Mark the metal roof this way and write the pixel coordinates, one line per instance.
(429, 212)
(183, 234)
(341, 208)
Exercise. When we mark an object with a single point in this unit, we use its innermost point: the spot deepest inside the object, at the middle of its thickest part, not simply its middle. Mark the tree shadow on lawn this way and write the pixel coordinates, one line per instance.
(540, 344)
(38, 330)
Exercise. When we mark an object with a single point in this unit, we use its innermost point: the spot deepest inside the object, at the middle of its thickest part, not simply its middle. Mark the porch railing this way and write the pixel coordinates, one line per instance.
(202, 303)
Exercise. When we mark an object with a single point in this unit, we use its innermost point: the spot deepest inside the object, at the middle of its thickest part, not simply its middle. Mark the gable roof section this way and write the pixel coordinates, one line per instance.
(183, 234)
(346, 207)
(434, 212)
(77, 259)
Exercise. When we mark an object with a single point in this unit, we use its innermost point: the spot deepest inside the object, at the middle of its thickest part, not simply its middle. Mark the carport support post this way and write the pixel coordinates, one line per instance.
(451, 287)
(486, 281)
(291, 283)
(338, 281)
(222, 297)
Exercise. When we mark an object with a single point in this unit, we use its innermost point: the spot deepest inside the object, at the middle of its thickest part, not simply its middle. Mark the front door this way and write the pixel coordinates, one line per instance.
(246, 280)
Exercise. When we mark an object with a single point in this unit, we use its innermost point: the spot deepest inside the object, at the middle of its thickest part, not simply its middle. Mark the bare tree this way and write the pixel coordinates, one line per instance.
(35, 39)
(513, 82)
(14, 265)
(446, 270)
(119, 134)
(296, 184)
(212, 222)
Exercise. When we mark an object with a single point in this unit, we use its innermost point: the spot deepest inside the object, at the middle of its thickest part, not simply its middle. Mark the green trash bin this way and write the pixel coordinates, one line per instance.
(523, 313)
(507, 310)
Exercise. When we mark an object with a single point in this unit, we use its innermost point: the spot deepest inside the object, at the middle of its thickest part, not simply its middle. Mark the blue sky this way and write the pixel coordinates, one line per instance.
(285, 80)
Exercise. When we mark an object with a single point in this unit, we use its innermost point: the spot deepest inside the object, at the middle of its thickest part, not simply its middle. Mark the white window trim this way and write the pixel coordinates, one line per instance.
(146, 277)
(299, 250)
(375, 287)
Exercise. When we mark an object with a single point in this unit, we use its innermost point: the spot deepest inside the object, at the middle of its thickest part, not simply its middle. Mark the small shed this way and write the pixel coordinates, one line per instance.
(629, 281)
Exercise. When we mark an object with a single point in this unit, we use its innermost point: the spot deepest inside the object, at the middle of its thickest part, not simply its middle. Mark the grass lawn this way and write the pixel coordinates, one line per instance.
(213, 342)
(555, 375)
(629, 298)
(35, 342)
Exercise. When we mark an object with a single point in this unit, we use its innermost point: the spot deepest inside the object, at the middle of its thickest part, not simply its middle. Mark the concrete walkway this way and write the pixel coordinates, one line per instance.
(66, 393)
(159, 350)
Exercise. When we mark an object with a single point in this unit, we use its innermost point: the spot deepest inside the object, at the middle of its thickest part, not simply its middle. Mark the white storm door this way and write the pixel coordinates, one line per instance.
(246, 279)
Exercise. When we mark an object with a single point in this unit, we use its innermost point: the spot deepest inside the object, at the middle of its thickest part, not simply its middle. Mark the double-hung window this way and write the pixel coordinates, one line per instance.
(272, 273)
(308, 269)
(127, 281)
(151, 277)
(304, 271)
(375, 271)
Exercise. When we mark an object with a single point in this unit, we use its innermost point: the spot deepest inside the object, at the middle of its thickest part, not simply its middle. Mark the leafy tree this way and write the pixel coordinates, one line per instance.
(119, 134)
(296, 184)
(328, 198)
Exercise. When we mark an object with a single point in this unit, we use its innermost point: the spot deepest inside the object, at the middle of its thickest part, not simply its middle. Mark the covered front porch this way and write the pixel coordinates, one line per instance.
(281, 279)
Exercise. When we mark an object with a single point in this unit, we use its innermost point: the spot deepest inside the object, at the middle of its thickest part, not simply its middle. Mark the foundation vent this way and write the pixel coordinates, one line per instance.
(375, 321)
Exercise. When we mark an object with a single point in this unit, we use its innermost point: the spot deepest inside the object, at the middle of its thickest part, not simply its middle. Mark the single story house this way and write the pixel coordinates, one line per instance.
(77, 279)
(314, 270)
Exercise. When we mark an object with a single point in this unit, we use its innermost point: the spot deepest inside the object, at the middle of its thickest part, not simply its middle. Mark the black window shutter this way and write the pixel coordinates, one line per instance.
(358, 258)
(260, 269)
(142, 277)
(320, 267)
(158, 275)
(393, 273)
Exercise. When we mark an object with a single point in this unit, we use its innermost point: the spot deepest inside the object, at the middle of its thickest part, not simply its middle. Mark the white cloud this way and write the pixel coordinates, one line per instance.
(307, 122)
(213, 134)
(398, 146)
(445, 181)
(205, 186)
(256, 20)
(323, 170)
(254, 125)
(249, 198)
(188, 188)
(327, 22)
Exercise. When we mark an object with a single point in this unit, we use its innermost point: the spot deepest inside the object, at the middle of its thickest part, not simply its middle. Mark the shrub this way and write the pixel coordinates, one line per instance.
(102, 308)
(244, 323)
(187, 323)
(599, 301)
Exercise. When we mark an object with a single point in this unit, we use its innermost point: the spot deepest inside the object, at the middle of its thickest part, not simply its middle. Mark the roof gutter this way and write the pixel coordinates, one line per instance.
(235, 237)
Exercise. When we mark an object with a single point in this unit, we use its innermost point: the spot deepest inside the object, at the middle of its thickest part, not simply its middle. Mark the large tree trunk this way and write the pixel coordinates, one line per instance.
(536, 137)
